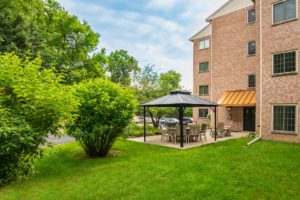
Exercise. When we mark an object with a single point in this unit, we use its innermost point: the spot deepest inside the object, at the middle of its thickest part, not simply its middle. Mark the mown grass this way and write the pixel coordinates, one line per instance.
(225, 170)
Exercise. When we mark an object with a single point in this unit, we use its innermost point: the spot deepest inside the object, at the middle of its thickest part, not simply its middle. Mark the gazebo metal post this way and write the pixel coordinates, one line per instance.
(181, 110)
(215, 123)
(144, 123)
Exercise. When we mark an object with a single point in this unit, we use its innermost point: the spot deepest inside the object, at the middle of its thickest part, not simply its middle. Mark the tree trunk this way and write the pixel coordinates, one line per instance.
(155, 123)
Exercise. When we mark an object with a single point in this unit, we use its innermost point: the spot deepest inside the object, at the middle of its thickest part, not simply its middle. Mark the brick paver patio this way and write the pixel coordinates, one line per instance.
(156, 140)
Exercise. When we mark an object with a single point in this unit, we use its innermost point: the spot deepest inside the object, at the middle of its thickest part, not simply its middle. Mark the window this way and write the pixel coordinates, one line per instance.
(203, 113)
(284, 118)
(284, 11)
(251, 16)
(251, 81)
(203, 67)
(251, 48)
(203, 44)
(284, 62)
(203, 90)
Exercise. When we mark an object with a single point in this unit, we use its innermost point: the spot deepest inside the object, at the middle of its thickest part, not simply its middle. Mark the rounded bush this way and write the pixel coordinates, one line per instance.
(104, 112)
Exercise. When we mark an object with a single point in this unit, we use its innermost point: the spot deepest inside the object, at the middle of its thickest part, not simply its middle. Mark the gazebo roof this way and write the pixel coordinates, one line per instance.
(179, 98)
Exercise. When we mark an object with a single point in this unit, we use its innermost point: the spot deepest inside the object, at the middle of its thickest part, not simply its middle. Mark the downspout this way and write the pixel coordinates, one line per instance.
(211, 68)
(211, 61)
(260, 76)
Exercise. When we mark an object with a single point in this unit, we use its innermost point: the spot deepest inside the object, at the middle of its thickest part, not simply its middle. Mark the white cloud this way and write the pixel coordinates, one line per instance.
(164, 24)
(151, 38)
(197, 11)
(162, 4)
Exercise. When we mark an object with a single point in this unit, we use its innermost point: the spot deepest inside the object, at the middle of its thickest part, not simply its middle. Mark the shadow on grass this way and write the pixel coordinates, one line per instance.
(70, 160)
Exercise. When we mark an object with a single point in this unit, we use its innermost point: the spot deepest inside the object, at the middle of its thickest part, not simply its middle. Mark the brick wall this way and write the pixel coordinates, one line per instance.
(230, 65)
(203, 55)
(280, 89)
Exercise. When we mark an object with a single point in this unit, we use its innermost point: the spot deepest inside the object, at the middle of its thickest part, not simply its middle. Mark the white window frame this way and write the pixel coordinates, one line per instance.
(296, 118)
(248, 16)
(285, 73)
(278, 2)
(204, 40)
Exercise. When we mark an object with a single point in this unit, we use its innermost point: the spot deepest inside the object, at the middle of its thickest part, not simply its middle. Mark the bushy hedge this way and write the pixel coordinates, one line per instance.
(135, 130)
(17, 148)
(104, 112)
(33, 103)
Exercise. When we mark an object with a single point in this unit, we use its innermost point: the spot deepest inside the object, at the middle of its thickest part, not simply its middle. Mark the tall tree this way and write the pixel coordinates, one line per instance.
(18, 32)
(147, 83)
(90, 68)
(68, 41)
(42, 28)
(151, 84)
(122, 67)
(169, 81)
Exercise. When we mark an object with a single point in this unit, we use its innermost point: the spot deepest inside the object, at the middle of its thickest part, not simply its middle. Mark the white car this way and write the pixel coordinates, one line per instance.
(165, 121)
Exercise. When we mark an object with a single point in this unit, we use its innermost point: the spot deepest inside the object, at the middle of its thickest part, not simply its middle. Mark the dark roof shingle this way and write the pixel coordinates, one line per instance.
(179, 98)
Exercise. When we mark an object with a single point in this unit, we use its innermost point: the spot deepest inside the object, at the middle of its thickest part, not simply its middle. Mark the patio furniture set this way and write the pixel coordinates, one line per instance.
(180, 99)
(192, 132)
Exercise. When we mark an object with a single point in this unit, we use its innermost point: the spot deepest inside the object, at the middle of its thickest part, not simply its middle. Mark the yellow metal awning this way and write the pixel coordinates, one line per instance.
(241, 98)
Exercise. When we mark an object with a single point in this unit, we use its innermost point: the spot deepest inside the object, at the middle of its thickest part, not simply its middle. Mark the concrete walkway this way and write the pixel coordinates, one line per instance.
(156, 140)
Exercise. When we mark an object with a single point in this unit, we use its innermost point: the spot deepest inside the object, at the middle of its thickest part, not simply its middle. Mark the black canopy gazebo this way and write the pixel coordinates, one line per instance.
(180, 99)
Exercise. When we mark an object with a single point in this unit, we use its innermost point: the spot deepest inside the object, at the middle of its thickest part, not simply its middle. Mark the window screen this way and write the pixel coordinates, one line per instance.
(251, 48)
(284, 62)
(203, 67)
(203, 44)
(284, 11)
(284, 118)
(203, 90)
(203, 113)
(251, 16)
(251, 81)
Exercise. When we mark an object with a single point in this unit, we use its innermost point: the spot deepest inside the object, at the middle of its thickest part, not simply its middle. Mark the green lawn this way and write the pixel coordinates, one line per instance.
(225, 170)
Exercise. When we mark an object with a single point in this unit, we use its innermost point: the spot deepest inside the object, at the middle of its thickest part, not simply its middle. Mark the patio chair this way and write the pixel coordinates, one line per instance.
(220, 130)
(177, 136)
(203, 131)
(172, 132)
(227, 129)
(164, 133)
(194, 133)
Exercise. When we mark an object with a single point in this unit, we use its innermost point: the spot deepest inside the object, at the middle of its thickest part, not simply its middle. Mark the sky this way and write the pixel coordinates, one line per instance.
(155, 32)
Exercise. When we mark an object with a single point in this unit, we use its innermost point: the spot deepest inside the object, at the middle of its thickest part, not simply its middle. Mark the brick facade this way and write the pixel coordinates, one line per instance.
(278, 89)
(230, 65)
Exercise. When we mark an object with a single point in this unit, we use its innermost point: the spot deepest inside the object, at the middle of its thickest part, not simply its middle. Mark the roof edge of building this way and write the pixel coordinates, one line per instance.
(199, 32)
(215, 14)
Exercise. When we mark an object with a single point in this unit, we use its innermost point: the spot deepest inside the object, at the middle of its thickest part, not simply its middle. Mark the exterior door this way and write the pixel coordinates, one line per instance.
(249, 119)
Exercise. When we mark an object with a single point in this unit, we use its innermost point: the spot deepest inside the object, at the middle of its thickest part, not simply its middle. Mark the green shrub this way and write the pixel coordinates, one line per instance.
(17, 148)
(136, 130)
(33, 103)
(105, 111)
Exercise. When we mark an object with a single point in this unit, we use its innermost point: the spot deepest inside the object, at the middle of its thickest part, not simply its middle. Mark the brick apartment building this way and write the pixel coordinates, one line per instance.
(247, 60)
